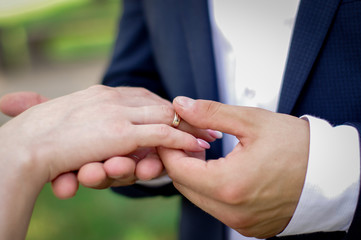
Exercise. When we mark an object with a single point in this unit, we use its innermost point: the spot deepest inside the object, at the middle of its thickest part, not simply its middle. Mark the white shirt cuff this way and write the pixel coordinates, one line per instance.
(330, 193)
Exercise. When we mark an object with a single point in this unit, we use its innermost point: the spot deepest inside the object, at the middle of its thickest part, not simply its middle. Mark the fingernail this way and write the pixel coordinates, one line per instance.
(184, 102)
(203, 144)
(215, 134)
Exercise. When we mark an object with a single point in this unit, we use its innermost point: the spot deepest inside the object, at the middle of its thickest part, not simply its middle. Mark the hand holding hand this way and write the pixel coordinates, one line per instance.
(64, 134)
(89, 126)
(142, 164)
(254, 189)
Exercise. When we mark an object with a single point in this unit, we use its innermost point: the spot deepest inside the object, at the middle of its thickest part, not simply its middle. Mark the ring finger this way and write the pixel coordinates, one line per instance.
(163, 114)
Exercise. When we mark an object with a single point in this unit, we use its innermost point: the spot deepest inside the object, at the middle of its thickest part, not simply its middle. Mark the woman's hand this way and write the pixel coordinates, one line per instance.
(142, 164)
(90, 126)
(64, 134)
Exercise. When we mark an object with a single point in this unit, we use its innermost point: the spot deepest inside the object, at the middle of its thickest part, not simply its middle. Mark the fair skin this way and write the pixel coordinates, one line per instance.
(119, 170)
(254, 189)
(62, 135)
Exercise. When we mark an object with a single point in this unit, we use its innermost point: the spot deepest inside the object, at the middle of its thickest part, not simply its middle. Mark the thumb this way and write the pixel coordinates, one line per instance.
(214, 115)
(13, 104)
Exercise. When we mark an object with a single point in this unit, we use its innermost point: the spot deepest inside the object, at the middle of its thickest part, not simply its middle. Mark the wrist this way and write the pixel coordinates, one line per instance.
(19, 161)
(332, 180)
(21, 181)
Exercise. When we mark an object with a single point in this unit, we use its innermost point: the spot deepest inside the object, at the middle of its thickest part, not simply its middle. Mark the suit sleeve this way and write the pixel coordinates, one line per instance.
(132, 64)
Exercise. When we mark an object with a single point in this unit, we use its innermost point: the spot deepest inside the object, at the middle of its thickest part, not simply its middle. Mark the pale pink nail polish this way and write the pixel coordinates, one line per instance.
(203, 144)
(215, 134)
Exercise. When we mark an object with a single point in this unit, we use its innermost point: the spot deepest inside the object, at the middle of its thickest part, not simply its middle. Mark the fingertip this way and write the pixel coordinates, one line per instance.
(183, 102)
(215, 134)
(92, 175)
(65, 186)
(13, 104)
(207, 114)
(6, 105)
(119, 167)
(203, 144)
(149, 168)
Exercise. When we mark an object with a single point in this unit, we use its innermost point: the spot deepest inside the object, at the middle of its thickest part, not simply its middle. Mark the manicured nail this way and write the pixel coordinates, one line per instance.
(203, 144)
(215, 134)
(185, 102)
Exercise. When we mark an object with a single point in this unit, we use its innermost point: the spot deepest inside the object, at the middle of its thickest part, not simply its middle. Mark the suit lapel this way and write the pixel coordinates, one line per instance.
(195, 22)
(313, 21)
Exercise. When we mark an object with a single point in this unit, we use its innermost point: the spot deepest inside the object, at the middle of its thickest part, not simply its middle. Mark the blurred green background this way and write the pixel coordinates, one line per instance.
(101, 214)
(57, 47)
(33, 31)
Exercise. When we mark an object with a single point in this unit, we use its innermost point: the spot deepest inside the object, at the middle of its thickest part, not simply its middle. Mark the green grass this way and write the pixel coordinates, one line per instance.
(102, 214)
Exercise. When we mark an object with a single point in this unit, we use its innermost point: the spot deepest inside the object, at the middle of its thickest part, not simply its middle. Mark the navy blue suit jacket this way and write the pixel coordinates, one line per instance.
(166, 47)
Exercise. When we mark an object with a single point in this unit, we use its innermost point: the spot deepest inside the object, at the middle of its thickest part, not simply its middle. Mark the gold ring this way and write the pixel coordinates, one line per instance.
(176, 120)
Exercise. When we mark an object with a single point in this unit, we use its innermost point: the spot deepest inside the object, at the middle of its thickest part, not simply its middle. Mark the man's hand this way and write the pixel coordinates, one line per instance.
(254, 189)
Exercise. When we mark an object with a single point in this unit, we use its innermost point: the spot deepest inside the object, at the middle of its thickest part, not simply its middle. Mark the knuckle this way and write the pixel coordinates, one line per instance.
(231, 194)
(163, 131)
(105, 93)
(121, 130)
(144, 91)
(98, 87)
(167, 112)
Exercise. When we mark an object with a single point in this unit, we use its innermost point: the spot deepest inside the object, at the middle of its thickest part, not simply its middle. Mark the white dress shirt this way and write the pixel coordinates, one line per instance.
(251, 40)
